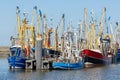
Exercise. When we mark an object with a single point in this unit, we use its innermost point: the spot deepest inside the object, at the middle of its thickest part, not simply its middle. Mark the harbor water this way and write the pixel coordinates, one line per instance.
(108, 72)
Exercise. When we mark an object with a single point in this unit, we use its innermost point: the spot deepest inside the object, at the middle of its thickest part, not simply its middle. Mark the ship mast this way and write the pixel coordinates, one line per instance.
(86, 27)
(100, 32)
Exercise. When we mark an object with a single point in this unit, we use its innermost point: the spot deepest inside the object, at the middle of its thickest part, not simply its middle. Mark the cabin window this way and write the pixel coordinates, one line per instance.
(13, 53)
(22, 54)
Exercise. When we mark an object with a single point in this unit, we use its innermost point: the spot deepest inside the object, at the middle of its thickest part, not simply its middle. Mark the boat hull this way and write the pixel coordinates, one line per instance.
(63, 65)
(16, 62)
(93, 57)
(17, 57)
(94, 60)
(49, 53)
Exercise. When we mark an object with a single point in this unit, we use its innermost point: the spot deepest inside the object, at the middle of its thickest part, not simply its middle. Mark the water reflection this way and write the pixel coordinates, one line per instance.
(110, 72)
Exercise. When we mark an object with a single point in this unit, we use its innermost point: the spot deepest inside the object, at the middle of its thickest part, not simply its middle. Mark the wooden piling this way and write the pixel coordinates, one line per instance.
(30, 64)
(38, 54)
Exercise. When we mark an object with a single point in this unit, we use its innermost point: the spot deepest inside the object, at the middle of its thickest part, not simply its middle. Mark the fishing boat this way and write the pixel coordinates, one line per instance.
(93, 56)
(69, 58)
(17, 57)
(21, 46)
(72, 62)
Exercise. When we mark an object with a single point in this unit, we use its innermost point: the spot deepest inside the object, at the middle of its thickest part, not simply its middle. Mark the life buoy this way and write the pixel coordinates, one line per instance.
(25, 52)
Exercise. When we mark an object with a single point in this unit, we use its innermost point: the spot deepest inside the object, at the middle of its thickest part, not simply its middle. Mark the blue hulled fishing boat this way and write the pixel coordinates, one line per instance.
(17, 57)
(69, 58)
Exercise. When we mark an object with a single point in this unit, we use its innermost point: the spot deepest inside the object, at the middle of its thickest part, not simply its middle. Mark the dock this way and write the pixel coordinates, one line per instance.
(46, 63)
(30, 64)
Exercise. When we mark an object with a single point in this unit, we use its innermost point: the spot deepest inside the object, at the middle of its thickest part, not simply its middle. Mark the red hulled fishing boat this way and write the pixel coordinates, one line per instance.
(93, 56)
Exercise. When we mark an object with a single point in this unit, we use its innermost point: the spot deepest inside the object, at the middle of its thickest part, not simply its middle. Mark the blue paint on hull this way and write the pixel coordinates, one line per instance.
(17, 58)
(63, 65)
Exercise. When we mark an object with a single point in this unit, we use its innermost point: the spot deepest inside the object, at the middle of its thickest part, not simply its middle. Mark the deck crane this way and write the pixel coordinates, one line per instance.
(32, 27)
(80, 45)
(18, 24)
(115, 44)
(54, 31)
(61, 26)
(34, 14)
(92, 37)
(60, 32)
(100, 32)
(46, 36)
(23, 30)
(91, 32)
(44, 32)
(37, 27)
(116, 33)
(86, 27)
(39, 20)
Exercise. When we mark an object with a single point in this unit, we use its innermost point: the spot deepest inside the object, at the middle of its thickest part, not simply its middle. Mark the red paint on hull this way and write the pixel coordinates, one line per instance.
(93, 54)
